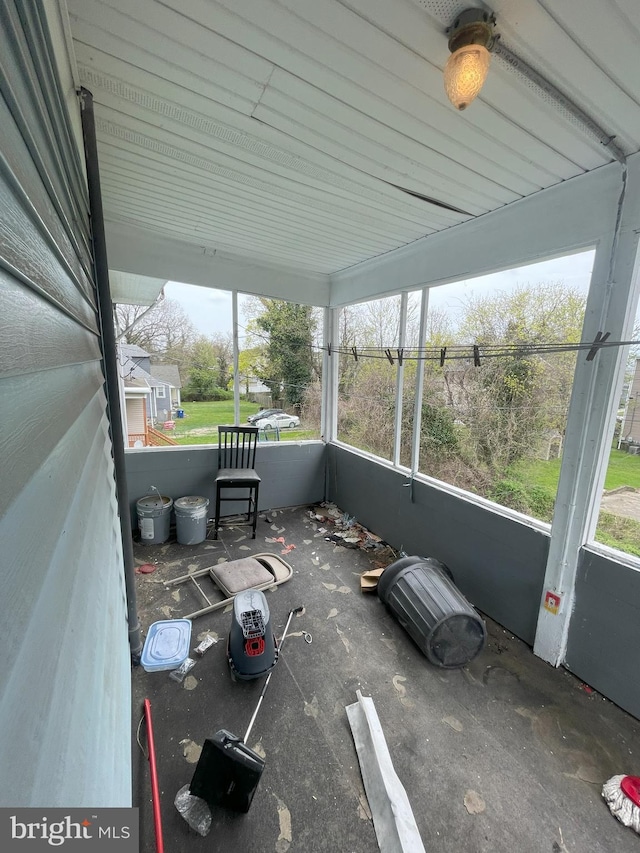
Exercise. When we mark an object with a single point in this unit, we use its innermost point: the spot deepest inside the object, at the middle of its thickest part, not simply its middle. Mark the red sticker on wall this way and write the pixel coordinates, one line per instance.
(552, 602)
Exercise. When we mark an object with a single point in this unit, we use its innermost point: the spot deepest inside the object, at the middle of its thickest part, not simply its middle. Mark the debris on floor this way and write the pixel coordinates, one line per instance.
(473, 802)
(369, 580)
(194, 810)
(393, 820)
(344, 530)
(281, 541)
(533, 716)
(179, 673)
(206, 643)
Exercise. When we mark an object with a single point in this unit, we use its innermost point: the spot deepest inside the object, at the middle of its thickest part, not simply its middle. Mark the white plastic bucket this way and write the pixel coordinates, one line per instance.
(154, 517)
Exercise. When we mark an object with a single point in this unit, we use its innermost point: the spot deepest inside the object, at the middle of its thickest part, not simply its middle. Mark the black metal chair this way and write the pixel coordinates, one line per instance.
(236, 461)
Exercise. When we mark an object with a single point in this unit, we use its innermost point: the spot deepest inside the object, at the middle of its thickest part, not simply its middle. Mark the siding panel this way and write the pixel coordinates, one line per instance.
(22, 91)
(25, 250)
(40, 408)
(18, 167)
(36, 336)
(65, 520)
(65, 703)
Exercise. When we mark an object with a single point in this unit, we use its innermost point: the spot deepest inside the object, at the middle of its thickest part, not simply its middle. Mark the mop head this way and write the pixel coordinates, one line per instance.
(622, 795)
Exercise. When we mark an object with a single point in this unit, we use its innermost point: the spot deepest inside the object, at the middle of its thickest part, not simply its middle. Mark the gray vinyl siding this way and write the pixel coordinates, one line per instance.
(65, 703)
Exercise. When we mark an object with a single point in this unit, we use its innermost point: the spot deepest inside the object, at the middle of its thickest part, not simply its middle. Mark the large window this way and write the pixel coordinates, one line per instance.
(281, 349)
(497, 369)
(619, 517)
(495, 405)
(186, 342)
(369, 335)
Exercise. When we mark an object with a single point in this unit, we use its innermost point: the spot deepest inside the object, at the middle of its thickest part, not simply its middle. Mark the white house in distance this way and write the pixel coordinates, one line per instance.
(168, 376)
(630, 431)
(148, 398)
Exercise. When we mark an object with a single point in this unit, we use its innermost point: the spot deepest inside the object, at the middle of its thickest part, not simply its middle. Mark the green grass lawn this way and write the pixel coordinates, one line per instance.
(623, 470)
(209, 415)
(536, 483)
(201, 421)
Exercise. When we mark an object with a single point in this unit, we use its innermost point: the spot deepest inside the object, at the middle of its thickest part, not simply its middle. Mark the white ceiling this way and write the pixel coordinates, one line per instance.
(130, 289)
(315, 134)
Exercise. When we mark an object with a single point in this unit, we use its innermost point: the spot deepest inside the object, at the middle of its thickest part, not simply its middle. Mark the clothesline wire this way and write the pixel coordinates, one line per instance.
(468, 352)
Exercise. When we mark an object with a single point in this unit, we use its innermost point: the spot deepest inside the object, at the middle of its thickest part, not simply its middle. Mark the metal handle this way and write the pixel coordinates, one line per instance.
(268, 679)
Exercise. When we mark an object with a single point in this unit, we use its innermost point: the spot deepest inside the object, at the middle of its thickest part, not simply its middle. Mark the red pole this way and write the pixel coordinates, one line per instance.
(155, 792)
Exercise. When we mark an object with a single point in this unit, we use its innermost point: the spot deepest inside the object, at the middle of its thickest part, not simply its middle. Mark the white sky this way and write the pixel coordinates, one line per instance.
(210, 310)
(572, 270)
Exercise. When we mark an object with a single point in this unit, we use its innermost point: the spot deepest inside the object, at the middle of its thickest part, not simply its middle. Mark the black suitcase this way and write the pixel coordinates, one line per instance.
(227, 773)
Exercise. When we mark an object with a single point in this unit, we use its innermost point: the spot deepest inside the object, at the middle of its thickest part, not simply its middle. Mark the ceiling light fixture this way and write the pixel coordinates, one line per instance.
(471, 37)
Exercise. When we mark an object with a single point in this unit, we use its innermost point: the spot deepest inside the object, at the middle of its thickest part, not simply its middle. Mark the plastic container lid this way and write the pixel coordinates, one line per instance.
(166, 645)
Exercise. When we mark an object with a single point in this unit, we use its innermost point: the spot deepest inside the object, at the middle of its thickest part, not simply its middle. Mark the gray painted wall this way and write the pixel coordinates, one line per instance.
(604, 632)
(65, 704)
(497, 562)
(292, 474)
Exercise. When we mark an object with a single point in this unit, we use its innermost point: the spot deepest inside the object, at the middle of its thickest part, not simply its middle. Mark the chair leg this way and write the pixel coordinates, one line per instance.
(255, 511)
(217, 518)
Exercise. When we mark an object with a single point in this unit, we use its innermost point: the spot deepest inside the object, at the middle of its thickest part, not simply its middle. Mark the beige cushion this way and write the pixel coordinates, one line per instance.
(238, 575)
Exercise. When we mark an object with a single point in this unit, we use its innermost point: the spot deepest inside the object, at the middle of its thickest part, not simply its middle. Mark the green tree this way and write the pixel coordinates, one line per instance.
(223, 349)
(251, 364)
(163, 330)
(209, 360)
(288, 366)
(509, 404)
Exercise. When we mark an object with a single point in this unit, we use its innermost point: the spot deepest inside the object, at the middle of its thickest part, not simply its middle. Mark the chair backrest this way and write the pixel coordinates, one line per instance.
(237, 446)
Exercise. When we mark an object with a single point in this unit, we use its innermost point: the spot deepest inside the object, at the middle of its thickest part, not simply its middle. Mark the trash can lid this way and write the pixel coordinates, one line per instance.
(192, 502)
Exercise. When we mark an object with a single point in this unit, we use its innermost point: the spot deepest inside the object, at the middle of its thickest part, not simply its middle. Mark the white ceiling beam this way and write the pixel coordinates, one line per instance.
(553, 222)
(136, 250)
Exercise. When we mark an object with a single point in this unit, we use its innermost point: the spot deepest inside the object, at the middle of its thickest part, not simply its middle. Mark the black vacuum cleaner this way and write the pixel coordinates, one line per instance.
(251, 645)
(228, 771)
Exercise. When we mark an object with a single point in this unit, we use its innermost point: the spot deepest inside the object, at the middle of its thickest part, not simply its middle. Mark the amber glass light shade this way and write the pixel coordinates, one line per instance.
(465, 73)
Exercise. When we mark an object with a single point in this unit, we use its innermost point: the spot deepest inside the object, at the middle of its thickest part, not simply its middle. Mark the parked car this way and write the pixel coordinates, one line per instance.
(264, 413)
(281, 421)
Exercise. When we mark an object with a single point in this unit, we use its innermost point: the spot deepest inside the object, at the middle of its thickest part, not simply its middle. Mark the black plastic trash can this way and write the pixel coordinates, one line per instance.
(420, 593)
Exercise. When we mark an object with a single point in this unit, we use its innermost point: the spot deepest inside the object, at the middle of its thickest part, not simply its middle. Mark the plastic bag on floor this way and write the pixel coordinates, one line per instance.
(194, 810)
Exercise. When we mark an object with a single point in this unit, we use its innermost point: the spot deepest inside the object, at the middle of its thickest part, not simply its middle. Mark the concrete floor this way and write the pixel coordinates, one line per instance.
(505, 755)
